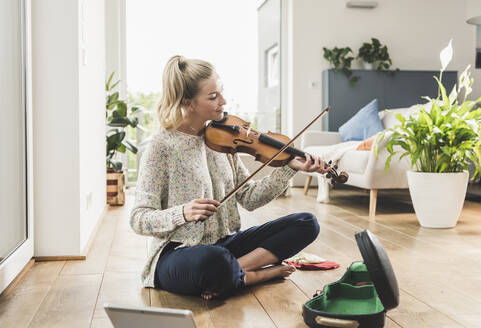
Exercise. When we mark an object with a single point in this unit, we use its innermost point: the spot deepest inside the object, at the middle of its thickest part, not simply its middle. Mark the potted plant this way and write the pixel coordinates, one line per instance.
(118, 118)
(341, 60)
(375, 55)
(442, 139)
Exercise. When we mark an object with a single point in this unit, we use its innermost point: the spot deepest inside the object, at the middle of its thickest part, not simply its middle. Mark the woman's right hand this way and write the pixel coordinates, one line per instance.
(200, 209)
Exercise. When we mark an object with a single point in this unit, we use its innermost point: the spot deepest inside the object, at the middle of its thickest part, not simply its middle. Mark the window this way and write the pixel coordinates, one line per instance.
(273, 66)
(225, 33)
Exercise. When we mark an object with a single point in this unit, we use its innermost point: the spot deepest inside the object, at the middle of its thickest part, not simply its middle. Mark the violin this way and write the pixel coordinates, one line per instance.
(232, 134)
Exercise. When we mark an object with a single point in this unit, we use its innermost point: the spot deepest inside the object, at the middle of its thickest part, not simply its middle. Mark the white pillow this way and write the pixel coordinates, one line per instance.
(389, 119)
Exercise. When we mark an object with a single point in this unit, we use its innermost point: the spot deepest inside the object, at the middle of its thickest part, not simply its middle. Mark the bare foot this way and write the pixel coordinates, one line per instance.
(207, 295)
(276, 271)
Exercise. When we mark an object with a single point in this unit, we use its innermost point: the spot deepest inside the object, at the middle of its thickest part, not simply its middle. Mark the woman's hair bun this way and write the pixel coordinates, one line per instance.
(181, 63)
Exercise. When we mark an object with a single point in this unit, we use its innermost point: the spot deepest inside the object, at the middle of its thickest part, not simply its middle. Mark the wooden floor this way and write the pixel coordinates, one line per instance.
(438, 271)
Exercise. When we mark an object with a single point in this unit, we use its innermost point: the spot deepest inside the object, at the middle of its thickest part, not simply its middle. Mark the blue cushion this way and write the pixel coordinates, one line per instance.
(363, 125)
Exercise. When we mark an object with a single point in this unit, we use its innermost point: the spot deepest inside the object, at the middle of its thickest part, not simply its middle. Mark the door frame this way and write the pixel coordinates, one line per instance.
(19, 257)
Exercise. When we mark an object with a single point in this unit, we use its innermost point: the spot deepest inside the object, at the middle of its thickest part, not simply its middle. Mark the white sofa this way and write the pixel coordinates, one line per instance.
(364, 168)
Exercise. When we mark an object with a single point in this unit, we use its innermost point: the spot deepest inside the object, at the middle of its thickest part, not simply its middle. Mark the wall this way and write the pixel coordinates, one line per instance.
(414, 31)
(91, 116)
(68, 123)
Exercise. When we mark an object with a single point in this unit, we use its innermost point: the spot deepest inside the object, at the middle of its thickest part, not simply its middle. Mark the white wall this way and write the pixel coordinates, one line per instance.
(91, 116)
(473, 8)
(68, 123)
(414, 31)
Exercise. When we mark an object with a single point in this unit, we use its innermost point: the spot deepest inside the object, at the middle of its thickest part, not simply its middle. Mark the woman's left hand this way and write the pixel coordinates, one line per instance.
(308, 165)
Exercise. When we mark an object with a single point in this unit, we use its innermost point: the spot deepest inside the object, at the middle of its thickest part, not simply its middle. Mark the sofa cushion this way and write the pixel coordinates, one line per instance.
(389, 119)
(363, 124)
(354, 161)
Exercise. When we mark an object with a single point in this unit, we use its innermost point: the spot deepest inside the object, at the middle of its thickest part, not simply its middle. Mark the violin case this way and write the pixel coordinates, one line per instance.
(363, 295)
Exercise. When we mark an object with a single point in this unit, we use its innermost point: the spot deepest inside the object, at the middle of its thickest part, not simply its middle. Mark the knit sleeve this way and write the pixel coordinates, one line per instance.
(255, 194)
(147, 216)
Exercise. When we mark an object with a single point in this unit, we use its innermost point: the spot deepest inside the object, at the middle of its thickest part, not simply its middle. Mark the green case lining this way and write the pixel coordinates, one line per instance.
(342, 297)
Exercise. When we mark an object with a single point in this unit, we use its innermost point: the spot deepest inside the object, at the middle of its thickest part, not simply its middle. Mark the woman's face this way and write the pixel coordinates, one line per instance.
(209, 103)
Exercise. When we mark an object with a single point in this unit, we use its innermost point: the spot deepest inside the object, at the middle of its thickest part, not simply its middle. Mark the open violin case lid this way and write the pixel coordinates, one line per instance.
(363, 295)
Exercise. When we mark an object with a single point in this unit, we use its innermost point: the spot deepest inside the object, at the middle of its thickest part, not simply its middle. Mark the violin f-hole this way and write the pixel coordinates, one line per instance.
(235, 141)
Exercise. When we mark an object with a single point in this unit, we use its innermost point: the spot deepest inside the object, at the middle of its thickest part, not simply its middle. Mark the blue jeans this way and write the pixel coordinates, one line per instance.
(193, 270)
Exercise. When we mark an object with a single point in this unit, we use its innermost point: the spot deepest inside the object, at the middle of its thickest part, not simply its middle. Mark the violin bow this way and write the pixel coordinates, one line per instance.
(229, 195)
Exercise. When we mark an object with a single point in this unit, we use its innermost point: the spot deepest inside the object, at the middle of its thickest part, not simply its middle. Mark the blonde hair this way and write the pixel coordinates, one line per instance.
(181, 80)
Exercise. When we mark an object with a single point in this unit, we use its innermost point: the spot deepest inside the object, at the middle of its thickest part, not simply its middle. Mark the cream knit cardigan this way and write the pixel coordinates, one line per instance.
(177, 168)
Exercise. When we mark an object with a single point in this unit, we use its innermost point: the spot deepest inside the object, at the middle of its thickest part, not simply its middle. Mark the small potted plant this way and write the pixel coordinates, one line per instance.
(375, 55)
(442, 140)
(118, 118)
(341, 59)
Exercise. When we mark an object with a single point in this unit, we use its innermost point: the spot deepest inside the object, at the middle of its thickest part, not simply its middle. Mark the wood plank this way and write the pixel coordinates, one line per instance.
(283, 301)
(98, 254)
(391, 324)
(243, 309)
(100, 322)
(18, 307)
(128, 252)
(413, 313)
(69, 303)
(18, 278)
(121, 288)
(196, 304)
(469, 320)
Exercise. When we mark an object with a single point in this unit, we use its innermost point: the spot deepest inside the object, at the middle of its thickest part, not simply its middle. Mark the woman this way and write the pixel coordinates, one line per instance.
(197, 246)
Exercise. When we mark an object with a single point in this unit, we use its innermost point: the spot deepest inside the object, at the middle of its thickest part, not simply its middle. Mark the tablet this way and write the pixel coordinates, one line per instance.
(148, 317)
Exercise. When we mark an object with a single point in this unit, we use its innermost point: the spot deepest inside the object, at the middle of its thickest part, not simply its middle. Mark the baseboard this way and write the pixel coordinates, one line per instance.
(18, 278)
(60, 258)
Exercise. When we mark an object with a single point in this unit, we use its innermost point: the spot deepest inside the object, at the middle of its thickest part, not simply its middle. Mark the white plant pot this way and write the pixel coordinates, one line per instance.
(437, 198)
(368, 65)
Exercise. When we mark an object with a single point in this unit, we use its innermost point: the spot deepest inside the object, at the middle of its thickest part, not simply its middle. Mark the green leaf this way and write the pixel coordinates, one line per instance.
(445, 98)
(113, 98)
(130, 146)
(122, 108)
(400, 118)
(119, 122)
(388, 163)
(474, 114)
(114, 85)
(107, 85)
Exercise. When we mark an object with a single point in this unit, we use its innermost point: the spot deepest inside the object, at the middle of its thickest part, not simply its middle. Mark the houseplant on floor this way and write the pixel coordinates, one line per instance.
(118, 119)
(441, 140)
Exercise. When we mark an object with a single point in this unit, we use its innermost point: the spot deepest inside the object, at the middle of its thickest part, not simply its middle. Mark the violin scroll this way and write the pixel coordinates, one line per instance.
(333, 175)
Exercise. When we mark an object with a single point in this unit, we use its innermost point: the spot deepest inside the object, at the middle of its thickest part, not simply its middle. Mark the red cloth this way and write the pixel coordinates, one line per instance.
(315, 266)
